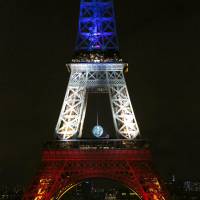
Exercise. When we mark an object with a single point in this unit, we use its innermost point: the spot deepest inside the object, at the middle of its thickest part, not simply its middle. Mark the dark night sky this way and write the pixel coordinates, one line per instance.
(159, 40)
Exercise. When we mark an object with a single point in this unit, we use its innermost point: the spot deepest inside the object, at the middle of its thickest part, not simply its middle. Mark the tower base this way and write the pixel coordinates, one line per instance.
(66, 164)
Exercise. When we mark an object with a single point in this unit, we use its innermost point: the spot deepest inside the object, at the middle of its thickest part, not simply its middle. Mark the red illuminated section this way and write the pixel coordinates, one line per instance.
(64, 168)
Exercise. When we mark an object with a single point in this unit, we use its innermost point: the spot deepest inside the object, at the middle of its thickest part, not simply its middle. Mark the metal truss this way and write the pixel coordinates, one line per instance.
(93, 77)
(123, 115)
(62, 169)
(97, 27)
(72, 112)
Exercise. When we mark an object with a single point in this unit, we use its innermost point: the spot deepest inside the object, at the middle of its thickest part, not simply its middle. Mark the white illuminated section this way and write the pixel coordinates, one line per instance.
(98, 77)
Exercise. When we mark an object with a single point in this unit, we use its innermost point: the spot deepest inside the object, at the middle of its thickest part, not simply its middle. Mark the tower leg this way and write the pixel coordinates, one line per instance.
(72, 113)
(123, 114)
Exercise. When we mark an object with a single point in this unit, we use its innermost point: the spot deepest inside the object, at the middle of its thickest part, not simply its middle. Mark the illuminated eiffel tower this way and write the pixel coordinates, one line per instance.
(96, 67)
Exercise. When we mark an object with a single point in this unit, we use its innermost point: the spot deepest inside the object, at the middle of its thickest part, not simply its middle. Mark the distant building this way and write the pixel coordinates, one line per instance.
(191, 186)
(183, 190)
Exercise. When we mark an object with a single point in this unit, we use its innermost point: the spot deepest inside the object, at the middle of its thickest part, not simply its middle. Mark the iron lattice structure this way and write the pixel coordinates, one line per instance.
(63, 169)
(97, 27)
(98, 77)
(96, 68)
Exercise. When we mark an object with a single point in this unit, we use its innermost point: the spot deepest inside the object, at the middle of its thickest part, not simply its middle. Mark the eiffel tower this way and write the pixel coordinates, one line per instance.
(71, 159)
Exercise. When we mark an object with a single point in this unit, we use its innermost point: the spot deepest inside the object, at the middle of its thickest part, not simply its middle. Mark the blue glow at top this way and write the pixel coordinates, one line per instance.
(97, 28)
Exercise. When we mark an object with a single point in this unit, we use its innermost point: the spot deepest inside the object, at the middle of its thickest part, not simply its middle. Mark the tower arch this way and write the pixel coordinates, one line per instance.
(67, 189)
(63, 168)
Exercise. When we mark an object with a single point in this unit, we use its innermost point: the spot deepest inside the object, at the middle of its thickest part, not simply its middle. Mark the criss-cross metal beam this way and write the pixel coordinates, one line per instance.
(86, 77)
(97, 27)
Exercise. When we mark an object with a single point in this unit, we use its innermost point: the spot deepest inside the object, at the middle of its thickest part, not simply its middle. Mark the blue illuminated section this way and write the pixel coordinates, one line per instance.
(97, 27)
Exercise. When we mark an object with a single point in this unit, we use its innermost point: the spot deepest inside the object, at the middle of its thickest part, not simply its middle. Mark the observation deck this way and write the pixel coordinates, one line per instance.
(100, 144)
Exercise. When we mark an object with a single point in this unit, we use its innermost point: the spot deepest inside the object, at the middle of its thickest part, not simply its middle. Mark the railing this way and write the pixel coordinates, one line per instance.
(86, 144)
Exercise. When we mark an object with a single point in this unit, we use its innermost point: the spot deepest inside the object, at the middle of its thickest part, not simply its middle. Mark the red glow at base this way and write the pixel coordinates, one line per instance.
(64, 168)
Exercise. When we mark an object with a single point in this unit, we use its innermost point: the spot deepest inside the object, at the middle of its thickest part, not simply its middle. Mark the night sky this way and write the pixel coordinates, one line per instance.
(159, 40)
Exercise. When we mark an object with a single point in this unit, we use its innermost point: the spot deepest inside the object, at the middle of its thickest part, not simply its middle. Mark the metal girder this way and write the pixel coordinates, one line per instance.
(73, 110)
(123, 115)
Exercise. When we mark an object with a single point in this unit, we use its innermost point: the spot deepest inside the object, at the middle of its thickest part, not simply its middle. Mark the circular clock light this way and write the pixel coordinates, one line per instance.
(97, 131)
